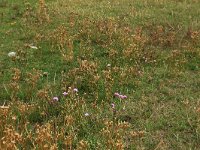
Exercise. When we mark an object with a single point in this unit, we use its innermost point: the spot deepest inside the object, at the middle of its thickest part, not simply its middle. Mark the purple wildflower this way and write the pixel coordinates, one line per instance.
(116, 94)
(113, 105)
(55, 98)
(65, 93)
(122, 96)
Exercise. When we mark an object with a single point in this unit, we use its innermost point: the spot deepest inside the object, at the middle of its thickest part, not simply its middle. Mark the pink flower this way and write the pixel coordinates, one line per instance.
(65, 93)
(122, 96)
(113, 105)
(55, 98)
(116, 94)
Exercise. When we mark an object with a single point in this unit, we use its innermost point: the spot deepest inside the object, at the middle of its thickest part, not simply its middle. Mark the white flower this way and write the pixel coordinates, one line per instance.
(33, 47)
(75, 90)
(108, 65)
(87, 114)
(12, 54)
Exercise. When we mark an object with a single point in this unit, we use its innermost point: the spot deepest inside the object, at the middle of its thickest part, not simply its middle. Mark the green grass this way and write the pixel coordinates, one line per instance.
(154, 51)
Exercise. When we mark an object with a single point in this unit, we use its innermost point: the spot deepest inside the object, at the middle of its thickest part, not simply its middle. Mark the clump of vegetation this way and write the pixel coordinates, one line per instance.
(99, 74)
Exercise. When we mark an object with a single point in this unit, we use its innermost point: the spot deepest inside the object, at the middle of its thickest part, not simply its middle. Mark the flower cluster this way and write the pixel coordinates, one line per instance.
(55, 99)
(120, 96)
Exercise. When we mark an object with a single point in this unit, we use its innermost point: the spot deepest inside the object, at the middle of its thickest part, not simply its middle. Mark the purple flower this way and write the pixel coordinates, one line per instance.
(113, 105)
(122, 96)
(55, 99)
(65, 93)
(116, 94)
(75, 90)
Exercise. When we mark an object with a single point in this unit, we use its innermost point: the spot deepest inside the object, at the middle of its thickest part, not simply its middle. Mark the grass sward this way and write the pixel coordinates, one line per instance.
(99, 74)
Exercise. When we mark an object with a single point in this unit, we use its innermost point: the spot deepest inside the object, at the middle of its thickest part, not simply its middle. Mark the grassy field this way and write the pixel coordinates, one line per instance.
(100, 74)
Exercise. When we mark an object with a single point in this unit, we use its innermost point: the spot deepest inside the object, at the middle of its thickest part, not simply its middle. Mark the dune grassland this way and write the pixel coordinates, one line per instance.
(100, 74)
